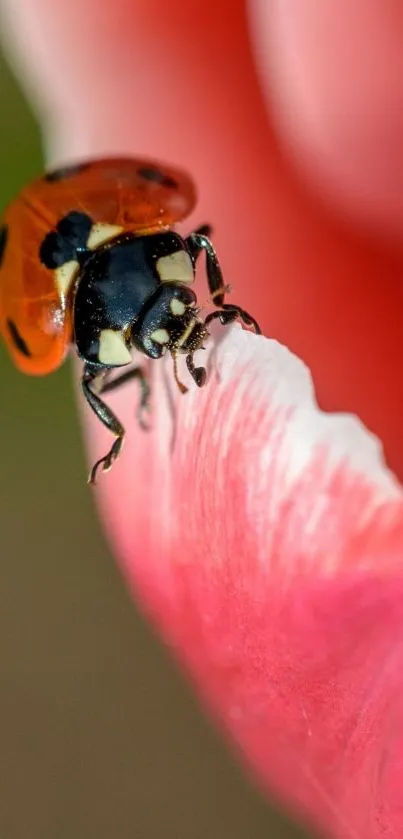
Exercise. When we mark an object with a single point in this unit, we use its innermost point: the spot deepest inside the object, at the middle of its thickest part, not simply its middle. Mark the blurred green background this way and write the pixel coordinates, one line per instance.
(100, 737)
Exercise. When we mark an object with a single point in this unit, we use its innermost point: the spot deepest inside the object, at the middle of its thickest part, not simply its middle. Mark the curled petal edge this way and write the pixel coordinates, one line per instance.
(265, 538)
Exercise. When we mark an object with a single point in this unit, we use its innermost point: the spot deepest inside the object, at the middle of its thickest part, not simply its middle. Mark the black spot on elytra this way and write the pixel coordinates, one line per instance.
(64, 172)
(68, 241)
(157, 177)
(17, 339)
(75, 228)
(3, 241)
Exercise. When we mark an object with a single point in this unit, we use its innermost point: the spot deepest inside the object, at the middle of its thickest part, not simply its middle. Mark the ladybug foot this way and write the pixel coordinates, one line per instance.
(228, 313)
(107, 461)
(144, 408)
(199, 374)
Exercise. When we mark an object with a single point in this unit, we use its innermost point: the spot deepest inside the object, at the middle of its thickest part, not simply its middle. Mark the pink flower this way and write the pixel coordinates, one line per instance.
(264, 536)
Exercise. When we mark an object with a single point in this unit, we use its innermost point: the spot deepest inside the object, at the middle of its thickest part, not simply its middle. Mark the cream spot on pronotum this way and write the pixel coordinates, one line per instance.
(112, 348)
(101, 233)
(177, 307)
(64, 275)
(176, 267)
(160, 336)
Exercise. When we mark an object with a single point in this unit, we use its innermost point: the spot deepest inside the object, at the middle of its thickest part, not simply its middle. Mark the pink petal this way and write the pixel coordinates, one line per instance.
(266, 539)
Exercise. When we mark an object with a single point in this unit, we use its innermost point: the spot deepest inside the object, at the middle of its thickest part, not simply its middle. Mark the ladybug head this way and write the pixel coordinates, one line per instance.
(169, 323)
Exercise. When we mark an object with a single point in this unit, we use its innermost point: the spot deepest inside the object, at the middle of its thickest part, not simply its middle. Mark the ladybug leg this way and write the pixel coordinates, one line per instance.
(145, 391)
(194, 248)
(197, 242)
(227, 312)
(90, 382)
(204, 230)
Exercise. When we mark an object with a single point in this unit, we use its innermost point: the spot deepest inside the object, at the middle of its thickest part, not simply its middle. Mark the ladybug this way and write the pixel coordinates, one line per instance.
(89, 258)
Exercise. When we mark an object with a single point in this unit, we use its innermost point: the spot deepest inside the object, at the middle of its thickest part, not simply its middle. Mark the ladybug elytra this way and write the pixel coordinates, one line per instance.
(90, 259)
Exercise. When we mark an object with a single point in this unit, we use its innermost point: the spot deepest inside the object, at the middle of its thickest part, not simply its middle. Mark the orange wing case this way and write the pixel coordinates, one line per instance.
(137, 195)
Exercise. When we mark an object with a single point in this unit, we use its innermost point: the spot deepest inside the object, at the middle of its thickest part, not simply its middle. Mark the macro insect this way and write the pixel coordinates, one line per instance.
(90, 260)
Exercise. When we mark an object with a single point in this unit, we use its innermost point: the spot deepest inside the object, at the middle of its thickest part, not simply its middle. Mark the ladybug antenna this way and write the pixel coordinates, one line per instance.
(181, 386)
